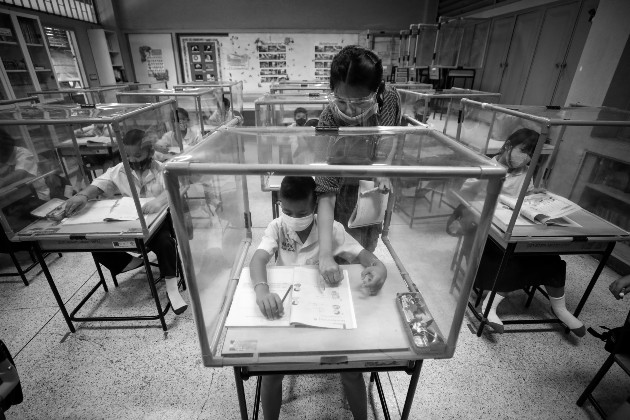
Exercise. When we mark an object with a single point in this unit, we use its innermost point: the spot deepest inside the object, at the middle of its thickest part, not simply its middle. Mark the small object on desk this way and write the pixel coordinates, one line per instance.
(287, 293)
(418, 322)
(50, 210)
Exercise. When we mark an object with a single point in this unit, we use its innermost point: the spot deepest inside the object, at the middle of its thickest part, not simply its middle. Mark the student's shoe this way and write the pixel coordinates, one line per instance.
(172, 291)
(580, 331)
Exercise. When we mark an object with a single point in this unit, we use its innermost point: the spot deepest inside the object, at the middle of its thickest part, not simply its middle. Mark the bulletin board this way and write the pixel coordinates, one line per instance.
(261, 59)
(200, 57)
(153, 58)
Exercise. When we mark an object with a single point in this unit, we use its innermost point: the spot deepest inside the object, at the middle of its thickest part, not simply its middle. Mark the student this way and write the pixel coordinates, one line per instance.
(222, 114)
(294, 235)
(190, 136)
(148, 181)
(359, 98)
(522, 272)
(300, 116)
(16, 163)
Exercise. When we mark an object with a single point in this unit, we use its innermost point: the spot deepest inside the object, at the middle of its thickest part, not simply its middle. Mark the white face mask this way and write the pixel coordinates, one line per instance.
(297, 224)
(358, 120)
(518, 159)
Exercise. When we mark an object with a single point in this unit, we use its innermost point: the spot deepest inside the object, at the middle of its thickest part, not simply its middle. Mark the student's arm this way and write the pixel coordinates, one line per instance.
(269, 303)
(78, 201)
(328, 268)
(374, 274)
(620, 287)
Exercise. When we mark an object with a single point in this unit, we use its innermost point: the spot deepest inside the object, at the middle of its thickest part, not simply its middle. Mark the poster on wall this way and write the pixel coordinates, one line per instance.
(272, 60)
(261, 59)
(324, 53)
(153, 58)
(199, 57)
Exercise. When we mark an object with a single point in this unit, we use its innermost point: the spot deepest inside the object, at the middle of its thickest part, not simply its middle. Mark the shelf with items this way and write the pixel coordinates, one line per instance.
(26, 62)
(106, 51)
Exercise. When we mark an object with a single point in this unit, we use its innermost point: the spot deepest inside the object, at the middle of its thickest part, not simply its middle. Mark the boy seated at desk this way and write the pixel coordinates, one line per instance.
(147, 178)
(294, 236)
(190, 137)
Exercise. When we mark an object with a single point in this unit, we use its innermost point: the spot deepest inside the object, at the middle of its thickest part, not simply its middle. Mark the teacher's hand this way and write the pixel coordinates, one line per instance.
(330, 271)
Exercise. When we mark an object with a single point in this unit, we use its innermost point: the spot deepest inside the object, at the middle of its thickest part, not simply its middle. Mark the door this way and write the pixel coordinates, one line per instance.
(498, 44)
(521, 51)
(549, 59)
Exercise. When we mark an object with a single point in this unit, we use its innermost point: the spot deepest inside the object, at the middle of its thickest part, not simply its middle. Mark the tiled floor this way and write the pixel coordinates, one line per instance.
(105, 372)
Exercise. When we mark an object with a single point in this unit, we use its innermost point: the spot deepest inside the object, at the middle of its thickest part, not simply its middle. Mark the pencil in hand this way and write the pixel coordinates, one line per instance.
(285, 295)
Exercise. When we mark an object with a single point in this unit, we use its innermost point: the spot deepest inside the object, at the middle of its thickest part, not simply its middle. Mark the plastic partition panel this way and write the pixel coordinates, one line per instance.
(219, 234)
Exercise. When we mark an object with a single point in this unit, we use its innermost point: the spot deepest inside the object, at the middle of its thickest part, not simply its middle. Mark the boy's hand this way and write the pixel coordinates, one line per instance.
(270, 304)
(152, 206)
(75, 204)
(620, 287)
(330, 271)
(374, 277)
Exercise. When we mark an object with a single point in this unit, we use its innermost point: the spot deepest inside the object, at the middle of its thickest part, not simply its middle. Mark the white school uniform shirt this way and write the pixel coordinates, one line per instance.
(150, 184)
(291, 250)
(192, 137)
(511, 186)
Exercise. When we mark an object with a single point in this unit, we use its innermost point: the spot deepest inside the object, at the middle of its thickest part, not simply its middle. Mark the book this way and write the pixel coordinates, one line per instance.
(48, 207)
(96, 211)
(307, 304)
(542, 208)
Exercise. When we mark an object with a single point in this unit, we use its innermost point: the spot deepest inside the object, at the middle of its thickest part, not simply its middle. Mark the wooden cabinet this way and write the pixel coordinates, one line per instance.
(106, 52)
(532, 54)
(25, 64)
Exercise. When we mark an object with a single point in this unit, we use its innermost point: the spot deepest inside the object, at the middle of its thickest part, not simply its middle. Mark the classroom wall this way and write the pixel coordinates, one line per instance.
(79, 27)
(269, 15)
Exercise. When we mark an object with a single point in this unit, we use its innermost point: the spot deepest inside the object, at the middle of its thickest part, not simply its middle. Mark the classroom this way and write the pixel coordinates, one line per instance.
(350, 210)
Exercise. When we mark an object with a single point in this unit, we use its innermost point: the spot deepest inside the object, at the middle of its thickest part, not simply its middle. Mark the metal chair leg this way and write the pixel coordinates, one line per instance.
(596, 380)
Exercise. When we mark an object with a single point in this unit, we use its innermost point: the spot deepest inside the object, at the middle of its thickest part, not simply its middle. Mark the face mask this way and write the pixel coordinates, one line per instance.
(141, 165)
(358, 120)
(296, 224)
(517, 159)
(300, 121)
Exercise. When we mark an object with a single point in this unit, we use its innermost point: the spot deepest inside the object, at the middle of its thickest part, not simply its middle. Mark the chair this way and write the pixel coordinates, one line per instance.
(620, 354)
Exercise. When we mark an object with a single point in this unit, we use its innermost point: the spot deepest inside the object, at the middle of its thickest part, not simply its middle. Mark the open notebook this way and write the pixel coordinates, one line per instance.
(543, 208)
(307, 304)
(120, 209)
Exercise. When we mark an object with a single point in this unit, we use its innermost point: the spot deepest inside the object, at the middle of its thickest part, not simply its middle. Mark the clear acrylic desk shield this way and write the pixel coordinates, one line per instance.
(79, 96)
(299, 88)
(59, 149)
(232, 90)
(561, 138)
(204, 105)
(220, 211)
(440, 108)
(279, 109)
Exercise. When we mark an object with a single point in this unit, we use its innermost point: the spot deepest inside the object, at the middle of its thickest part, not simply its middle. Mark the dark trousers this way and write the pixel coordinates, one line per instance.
(162, 244)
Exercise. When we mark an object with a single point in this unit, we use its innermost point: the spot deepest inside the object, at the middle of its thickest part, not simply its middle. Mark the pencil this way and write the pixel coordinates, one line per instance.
(287, 293)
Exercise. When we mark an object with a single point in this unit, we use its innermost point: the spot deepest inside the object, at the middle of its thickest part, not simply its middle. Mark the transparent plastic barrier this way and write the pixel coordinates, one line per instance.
(224, 211)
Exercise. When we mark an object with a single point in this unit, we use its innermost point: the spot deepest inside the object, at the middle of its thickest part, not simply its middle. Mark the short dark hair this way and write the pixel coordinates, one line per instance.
(226, 103)
(133, 137)
(356, 66)
(525, 136)
(298, 110)
(297, 188)
(183, 113)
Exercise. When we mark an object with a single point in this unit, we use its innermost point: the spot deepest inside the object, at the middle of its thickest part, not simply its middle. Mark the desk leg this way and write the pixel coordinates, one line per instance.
(51, 282)
(240, 391)
(147, 266)
(257, 398)
(413, 383)
(591, 284)
(381, 395)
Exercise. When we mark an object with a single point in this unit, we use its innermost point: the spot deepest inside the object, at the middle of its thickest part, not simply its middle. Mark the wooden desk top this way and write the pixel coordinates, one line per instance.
(379, 335)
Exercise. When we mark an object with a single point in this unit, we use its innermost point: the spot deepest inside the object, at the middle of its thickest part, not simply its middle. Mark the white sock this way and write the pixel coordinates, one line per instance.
(560, 309)
(493, 318)
(173, 293)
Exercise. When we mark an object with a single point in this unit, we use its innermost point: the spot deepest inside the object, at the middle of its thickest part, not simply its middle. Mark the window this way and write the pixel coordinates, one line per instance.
(74, 9)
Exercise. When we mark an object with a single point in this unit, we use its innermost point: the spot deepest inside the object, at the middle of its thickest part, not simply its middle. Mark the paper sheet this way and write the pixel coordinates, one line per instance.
(370, 208)
(106, 210)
